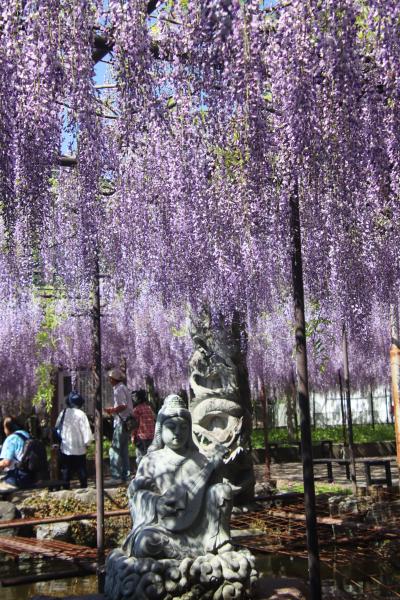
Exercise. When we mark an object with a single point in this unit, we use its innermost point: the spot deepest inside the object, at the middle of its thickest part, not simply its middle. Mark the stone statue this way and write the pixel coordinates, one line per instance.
(220, 407)
(180, 540)
(211, 373)
(177, 509)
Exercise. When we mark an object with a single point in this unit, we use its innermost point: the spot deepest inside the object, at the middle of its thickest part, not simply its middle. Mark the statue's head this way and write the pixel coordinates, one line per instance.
(173, 426)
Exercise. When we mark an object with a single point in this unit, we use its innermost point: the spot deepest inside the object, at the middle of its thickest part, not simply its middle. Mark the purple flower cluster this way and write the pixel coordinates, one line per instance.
(213, 113)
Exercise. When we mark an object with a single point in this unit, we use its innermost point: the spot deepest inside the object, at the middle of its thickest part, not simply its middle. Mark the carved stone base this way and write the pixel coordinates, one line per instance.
(221, 576)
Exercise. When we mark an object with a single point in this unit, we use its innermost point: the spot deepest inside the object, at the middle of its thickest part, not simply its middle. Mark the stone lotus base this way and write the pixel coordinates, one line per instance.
(214, 576)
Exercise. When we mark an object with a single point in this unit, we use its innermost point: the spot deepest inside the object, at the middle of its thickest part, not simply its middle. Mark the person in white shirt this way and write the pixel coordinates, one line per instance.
(122, 409)
(74, 429)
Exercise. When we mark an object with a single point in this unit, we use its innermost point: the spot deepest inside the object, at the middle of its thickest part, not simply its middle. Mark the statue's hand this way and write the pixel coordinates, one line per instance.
(140, 483)
(173, 502)
(166, 505)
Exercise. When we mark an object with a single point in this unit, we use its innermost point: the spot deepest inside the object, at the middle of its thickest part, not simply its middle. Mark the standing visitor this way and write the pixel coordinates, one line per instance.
(33, 425)
(11, 453)
(122, 410)
(75, 433)
(143, 434)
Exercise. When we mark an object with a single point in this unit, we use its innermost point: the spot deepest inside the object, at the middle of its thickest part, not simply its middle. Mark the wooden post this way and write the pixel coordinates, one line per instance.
(348, 406)
(387, 407)
(395, 374)
(342, 409)
(98, 421)
(371, 402)
(303, 399)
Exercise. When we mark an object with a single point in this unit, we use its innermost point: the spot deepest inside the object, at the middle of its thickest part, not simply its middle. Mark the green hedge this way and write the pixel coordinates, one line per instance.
(106, 448)
(362, 433)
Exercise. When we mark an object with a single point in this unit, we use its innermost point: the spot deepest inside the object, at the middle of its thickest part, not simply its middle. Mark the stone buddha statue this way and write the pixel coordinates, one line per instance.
(178, 507)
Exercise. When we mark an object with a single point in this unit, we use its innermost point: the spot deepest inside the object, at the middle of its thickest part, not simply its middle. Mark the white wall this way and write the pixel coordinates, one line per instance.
(85, 387)
(327, 410)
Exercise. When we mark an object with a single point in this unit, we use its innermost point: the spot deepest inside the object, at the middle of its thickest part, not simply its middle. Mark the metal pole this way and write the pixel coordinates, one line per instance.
(371, 401)
(313, 409)
(348, 405)
(395, 374)
(304, 400)
(342, 409)
(98, 421)
(387, 407)
(264, 405)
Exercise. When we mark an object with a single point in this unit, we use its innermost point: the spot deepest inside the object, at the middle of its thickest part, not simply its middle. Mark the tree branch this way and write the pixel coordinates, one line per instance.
(67, 161)
(151, 6)
(101, 47)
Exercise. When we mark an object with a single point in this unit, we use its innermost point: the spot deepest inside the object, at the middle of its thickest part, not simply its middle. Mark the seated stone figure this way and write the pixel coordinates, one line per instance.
(178, 509)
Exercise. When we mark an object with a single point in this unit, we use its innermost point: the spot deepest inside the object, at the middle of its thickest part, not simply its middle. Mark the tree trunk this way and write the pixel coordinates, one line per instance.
(98, 420)
(349, 416)
(239, 357)
(395, 373)
(303, 399)
(371, 401)
(342, 409)
(291, 410)
(264, 406)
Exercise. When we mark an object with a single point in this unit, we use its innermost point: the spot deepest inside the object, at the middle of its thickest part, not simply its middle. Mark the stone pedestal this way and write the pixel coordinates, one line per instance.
(8, 512)
(213, 576)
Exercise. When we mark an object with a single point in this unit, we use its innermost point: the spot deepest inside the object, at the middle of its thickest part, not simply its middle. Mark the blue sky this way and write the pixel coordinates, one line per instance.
(102, 76)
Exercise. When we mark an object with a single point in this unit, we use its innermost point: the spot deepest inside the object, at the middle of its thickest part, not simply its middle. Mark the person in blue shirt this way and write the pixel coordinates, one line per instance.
(11, 453)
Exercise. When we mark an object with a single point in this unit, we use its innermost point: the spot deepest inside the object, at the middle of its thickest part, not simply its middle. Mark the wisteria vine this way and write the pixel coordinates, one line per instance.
(184, 161)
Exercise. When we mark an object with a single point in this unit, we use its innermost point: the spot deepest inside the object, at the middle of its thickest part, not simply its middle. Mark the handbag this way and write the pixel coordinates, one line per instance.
(57, 431)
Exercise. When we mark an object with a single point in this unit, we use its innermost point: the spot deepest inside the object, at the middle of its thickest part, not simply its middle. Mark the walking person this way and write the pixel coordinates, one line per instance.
(75, 433)
(143, 434)
(121, 411)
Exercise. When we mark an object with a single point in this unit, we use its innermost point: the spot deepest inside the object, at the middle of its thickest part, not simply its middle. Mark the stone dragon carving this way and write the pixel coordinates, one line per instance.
(220, 414)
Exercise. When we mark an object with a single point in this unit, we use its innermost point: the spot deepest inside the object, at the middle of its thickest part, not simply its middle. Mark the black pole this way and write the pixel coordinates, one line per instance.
(342, 409)
(98, 421)
(313, 409)
(371, 401)
(304, 400)
(264, 405)
(348, 406)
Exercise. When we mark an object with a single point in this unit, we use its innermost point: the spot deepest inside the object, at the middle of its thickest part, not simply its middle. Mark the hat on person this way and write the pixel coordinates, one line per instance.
(116, 374)
(75, 400)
